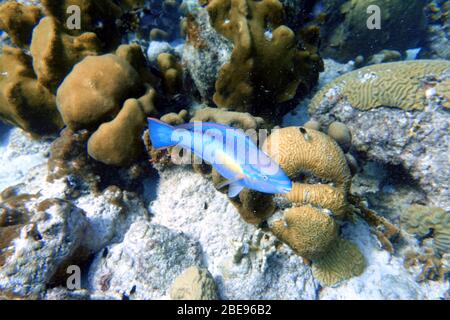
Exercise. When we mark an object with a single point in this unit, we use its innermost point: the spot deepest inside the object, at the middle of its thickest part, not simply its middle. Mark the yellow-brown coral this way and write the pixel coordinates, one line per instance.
(95, 90)
(429, 221)
(55, 53)
(313, 234)
(263, 70)
(407, 85)
(24, 102)
(299, 150)
(118, 142)
(172, 73)
(18, 21)
(240, 120)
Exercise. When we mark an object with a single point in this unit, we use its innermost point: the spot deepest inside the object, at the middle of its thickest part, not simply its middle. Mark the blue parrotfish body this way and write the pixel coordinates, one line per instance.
(230, 152)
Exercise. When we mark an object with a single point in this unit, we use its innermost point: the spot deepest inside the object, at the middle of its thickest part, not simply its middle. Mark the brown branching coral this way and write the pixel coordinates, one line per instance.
(18, 21)
(24, 102)
(313, 235)
(55, 52)
(261, 43)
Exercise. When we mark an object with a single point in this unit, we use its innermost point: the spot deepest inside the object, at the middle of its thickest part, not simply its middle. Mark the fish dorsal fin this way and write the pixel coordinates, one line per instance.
(234, 189)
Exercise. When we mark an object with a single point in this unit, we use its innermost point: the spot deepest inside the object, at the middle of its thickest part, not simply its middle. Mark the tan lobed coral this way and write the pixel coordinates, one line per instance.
(119, 142)
(240, 120)
(266, 66)
(95, 90)
(24, 102)
(405, 85)
(97, 16)
(55, 52)
(18, 21)
(313, 234)
(172, 73)
(426, 221)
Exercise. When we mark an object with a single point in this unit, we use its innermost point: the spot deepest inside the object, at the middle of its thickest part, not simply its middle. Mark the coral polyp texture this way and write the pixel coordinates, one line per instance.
(261, 43)
(406, 85)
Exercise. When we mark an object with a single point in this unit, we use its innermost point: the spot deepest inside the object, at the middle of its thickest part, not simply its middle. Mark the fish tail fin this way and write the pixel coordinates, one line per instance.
(160, 133)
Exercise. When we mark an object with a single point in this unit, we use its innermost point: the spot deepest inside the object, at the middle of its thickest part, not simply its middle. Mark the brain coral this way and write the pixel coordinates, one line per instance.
(405, 85)
(18, 21)
(24, 102)
(300, 150)
(425, 221)
(266, 66)
(55, 52)
(313, 234)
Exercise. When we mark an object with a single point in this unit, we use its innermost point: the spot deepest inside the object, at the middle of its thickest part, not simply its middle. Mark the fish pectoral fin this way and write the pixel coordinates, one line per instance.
(229, 182)
(234, 189)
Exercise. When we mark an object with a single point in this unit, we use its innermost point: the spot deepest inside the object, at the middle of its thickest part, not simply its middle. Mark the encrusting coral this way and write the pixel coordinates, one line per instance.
(386, 85)
(261, 43)
(24, 102)
(18, 21)
(313, 234)
(240, 120)
(429, 222)
(55, 52)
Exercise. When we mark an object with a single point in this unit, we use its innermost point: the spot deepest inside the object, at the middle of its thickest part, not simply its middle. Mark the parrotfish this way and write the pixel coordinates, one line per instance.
(228, 150)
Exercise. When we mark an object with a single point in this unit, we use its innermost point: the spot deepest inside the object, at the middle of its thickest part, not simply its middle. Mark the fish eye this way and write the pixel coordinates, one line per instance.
(265, 178)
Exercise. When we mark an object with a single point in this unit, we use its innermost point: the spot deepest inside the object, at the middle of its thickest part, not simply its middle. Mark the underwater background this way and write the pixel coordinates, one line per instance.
(357, 92)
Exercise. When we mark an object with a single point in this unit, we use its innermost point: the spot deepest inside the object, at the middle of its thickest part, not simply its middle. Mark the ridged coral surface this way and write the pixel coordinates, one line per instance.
(406, 85)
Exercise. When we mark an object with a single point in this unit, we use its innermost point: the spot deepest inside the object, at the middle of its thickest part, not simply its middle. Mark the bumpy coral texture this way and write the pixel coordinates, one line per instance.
(194, 284)
(24, 102)
(55, 52)
(266, 66)
(429, 221)
(313, 234)
(95, 90)
(18, 21)
(386, 85)
(299, 150)
(309, 228)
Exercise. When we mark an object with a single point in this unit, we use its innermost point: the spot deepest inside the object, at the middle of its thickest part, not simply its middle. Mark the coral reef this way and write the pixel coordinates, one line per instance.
(425, 222)
(298, 150)
(386, 85)
(438, 18)
(113, 78)
(55, 53)
(244, 83)
(172, 73)
(18, 21)
(407, 128)
(345, 32)
(240, 120)
(194, 284)
(24, 102)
